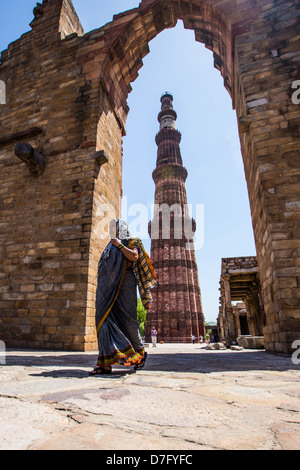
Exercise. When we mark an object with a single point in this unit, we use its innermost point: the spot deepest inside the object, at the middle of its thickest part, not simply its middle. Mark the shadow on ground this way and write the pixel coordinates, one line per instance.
(194, 362)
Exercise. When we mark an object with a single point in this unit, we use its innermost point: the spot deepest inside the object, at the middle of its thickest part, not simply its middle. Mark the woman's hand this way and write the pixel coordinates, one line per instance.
(130, 254)
(115, 241)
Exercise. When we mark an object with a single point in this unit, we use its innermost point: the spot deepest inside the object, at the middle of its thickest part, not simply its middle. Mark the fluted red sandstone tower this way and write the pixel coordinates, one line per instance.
(176, 310)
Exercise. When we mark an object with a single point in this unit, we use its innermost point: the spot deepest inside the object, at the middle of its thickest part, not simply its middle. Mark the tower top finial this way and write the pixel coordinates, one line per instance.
(165, 95)
(167, 116)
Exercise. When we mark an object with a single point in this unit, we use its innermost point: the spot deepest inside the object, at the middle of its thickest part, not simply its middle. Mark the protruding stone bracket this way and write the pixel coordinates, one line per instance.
(101, 157)
(34, 160)
(244, 123)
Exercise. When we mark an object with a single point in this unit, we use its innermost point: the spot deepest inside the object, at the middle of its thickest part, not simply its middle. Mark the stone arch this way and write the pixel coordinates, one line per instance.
(131, 44)
(253, 48)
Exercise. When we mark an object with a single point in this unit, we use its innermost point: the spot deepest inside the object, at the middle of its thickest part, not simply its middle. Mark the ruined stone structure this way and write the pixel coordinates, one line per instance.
(176, 310)
(239, 312)
(240, 281)
(66, 99)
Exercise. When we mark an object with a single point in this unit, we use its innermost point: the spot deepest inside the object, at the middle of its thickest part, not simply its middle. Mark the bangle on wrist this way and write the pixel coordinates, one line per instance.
(120, 246)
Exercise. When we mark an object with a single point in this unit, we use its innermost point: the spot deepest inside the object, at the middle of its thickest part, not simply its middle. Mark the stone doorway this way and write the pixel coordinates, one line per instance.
(244, 325)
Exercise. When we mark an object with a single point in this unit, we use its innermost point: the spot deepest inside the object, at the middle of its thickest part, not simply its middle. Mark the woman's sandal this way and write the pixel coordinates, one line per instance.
(100, 371)
(142, 364)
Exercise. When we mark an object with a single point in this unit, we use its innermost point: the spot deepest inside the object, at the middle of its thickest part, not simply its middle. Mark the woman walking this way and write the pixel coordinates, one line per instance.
(123, 264)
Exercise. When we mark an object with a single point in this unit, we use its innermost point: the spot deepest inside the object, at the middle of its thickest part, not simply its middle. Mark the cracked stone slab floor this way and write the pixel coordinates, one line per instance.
(186, 398)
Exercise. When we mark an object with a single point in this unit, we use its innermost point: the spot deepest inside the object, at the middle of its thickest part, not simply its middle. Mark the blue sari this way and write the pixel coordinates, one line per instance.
(116, 317)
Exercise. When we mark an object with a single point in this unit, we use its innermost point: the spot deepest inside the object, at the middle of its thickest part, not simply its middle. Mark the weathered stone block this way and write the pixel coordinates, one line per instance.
(251, 342)
(33, 159)
(216, 346)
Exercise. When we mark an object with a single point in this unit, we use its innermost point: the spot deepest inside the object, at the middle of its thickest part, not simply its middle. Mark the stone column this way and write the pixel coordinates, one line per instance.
(254, 314)
(231, 332)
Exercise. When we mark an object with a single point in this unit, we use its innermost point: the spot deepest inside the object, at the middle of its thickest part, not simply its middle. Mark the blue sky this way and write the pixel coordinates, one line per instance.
(210, 145)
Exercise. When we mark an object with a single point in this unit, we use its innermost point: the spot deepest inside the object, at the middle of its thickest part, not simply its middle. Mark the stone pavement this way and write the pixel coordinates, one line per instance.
(187, 398)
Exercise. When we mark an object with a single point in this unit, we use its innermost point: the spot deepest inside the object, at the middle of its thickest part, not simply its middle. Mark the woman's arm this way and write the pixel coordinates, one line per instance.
(130, 254)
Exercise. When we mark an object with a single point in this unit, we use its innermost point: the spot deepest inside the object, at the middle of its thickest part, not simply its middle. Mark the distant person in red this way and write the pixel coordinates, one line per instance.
(154, 337)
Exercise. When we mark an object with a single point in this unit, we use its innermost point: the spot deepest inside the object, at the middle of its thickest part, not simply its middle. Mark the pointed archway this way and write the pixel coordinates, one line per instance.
(244, 39)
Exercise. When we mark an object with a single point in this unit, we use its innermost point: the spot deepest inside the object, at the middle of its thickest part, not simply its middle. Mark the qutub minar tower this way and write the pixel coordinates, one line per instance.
(176, 311)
